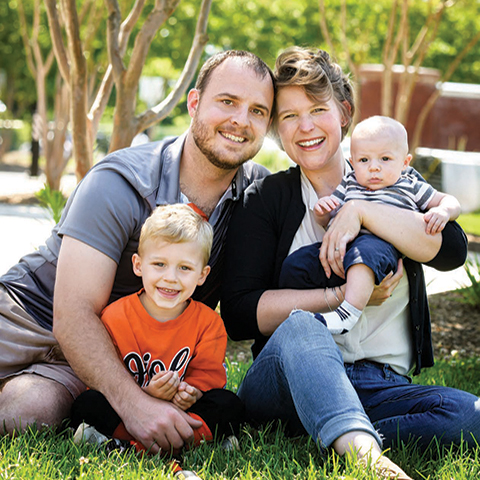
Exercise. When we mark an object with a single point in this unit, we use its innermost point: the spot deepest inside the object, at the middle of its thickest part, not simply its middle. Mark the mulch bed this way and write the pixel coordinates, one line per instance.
(455, 325)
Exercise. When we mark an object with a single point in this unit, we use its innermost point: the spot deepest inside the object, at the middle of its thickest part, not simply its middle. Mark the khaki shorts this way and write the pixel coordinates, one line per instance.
(26, 347)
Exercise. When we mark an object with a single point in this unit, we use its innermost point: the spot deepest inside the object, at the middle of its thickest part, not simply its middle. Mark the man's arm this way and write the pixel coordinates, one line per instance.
(84, 281)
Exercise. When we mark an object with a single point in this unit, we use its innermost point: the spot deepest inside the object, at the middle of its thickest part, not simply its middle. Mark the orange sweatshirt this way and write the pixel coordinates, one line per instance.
(194, 344)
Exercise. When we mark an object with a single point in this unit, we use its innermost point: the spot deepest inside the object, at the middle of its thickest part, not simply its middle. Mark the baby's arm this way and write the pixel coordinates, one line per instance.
(323, 209)
(164, 385)
(186, 396)
(441, 209)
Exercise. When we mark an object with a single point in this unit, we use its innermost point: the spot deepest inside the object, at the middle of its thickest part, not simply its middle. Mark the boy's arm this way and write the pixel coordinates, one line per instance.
(84, 281)
(442, 208)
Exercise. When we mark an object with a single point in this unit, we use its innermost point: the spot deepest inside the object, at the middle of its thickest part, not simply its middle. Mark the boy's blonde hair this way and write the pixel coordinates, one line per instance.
(177, 223)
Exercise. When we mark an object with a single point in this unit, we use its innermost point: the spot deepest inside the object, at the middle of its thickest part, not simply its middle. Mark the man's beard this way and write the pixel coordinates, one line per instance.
(200, 134)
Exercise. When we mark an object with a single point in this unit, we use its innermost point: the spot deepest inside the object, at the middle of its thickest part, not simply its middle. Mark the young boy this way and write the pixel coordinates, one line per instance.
(173, 346)
(379, 157)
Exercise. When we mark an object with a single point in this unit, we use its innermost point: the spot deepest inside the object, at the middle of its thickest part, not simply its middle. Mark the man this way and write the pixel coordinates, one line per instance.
(88, 257)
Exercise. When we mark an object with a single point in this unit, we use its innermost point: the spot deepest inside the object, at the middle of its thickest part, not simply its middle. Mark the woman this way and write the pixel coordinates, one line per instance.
(347, 391)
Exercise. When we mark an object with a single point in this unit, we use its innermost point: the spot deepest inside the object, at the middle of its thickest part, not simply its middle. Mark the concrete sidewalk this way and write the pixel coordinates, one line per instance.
(25, 227)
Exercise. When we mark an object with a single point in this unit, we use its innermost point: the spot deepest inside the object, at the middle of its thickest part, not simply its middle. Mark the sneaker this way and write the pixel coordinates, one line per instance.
(85, 433)
(231, 443)
(181, 474)
(386, 469)
(184, 474)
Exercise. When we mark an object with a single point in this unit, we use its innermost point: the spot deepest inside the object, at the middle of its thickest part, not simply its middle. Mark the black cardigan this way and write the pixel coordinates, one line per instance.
(259, 237)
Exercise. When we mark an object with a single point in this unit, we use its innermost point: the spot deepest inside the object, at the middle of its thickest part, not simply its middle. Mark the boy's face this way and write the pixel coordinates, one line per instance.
(378, 160)
(170, 273)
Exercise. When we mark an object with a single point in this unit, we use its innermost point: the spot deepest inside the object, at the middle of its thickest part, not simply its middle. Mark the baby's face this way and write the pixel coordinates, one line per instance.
(378, 161)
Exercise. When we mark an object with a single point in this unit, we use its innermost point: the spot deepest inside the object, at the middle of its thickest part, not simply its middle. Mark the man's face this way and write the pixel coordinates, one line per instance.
(231, 116)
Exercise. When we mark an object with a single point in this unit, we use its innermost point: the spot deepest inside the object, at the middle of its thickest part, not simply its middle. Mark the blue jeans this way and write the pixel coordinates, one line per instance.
(299, 377)
(302, 268)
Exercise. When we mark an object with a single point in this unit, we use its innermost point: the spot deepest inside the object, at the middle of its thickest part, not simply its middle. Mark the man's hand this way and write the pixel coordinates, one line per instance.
(163, 385)
(186, 396)
(158, 425)
(84, 282)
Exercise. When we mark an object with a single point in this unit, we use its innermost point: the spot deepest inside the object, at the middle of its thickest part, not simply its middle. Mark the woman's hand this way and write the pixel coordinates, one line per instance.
(343, 229)
(384, 291)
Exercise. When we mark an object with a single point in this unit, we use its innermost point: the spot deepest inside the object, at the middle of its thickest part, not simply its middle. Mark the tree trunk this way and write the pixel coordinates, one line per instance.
(125, 122)
(58, 158)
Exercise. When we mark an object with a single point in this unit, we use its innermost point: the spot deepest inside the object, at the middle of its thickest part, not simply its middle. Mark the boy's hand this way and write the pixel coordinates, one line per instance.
(164, 385)
(436, 219)
(186, 396)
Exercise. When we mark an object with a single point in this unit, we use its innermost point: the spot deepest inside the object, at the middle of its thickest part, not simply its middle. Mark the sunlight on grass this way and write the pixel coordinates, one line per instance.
(470, 222)
(264, 453)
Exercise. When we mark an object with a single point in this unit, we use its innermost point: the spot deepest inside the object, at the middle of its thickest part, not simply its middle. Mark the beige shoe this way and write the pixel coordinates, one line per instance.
(386, 469)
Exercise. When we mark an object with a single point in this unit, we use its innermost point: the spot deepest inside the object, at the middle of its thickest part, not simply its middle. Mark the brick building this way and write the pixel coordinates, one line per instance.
(454, 119)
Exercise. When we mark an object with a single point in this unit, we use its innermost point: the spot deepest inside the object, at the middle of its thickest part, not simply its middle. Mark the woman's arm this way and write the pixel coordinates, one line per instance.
(404, 229)
(257, 243)
(259, 236)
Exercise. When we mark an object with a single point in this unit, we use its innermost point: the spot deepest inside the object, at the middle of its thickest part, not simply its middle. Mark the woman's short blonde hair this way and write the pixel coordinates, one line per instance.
(177, 223)
(319, 76)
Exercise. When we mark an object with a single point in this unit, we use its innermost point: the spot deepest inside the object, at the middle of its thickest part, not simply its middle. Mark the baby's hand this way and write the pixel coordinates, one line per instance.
(326, 205)
(186, 396)
(436, 219)
(164, 385)
(323, 208)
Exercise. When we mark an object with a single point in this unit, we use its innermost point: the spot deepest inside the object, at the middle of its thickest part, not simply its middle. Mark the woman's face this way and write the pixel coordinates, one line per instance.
(310, 130)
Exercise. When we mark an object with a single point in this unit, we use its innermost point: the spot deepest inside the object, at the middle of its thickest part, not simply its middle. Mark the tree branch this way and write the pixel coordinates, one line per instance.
(26, 39)
(390, 34)
(161, 110)
(57, 40)
(324, 27)
(101, 100)
(422, 117)
(157, 17)
(113, 30)
(106, 86)
(351, 64)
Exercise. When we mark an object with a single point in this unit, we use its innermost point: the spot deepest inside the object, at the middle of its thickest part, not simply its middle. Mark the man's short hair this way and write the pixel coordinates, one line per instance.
(248, 58)
(177, 223)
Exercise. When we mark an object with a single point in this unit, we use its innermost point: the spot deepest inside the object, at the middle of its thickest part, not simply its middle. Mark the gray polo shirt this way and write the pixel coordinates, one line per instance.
(107, 210)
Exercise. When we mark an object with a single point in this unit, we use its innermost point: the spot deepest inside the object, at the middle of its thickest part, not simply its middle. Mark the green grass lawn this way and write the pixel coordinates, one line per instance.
(470, 222)
(264, 454)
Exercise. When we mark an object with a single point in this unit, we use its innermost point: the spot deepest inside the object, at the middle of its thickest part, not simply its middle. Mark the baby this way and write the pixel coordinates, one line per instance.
(381, 173)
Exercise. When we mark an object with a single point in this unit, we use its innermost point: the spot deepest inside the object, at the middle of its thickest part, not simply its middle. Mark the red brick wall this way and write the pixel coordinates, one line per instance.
(451, 120)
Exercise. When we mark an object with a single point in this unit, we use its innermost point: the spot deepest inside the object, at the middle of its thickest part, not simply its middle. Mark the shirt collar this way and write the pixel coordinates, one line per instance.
(169, 185)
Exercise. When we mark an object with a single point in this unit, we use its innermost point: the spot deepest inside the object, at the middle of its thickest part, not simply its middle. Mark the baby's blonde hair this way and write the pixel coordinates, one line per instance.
(177, 223)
